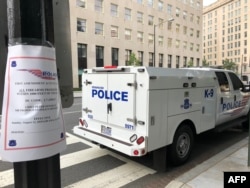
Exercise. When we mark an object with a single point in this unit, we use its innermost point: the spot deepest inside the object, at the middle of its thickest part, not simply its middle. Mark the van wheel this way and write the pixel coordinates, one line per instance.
(182, 145)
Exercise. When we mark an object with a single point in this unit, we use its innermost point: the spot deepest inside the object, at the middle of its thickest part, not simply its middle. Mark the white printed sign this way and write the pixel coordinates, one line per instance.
(32, 124)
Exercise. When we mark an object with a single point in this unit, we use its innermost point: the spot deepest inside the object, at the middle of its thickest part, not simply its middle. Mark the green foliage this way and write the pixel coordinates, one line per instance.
(229, 65)
(133, 61)
(205, 63)
(190, 63)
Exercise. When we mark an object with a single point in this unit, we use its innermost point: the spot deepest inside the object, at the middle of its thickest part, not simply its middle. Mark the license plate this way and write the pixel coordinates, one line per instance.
(106, 130)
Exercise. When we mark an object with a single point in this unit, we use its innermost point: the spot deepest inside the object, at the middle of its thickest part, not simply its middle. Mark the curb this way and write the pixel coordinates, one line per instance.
(182, 181)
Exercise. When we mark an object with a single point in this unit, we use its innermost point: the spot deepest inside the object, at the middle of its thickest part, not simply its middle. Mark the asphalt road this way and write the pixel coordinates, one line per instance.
(84, 164)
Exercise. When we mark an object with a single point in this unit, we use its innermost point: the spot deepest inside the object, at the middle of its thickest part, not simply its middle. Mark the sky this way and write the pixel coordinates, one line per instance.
(208, 2)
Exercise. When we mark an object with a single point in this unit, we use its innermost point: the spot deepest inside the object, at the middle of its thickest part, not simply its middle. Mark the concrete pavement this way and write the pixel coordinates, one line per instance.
(210, 173)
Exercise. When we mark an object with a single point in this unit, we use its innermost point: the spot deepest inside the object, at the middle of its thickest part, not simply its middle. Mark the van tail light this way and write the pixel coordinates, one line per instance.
(81, 122)
(140, 140)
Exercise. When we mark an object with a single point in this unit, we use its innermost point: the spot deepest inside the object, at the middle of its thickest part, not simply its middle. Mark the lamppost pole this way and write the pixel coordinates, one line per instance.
(154, 46)
(155, 25)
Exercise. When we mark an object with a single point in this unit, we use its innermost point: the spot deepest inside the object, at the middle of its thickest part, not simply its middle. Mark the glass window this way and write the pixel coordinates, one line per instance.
(115, 55)
(140, 36)
(140, 57)
(114, 10)
(114, 31)
(127, 34)
(223, 81)
(150, 3)
(237, 84)
(150, 20)
(98, 28)
(127, 14)
(160, 5)
(140, 17)
(98, 5)
(81, 3)
(99, 56)
(81, 25)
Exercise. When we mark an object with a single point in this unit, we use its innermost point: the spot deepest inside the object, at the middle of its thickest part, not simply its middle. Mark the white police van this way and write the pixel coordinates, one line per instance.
(136, 110)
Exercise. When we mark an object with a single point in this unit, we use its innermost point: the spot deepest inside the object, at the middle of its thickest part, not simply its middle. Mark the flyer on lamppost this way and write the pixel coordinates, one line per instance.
(32, 122)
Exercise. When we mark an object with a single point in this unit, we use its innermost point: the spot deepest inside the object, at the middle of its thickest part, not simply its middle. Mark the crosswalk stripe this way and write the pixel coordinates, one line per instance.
(81, 156)
(71, 140)
(6, 178)
(117, 177)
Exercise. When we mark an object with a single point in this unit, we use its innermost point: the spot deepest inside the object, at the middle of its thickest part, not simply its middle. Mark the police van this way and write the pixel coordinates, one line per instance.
(137, 110)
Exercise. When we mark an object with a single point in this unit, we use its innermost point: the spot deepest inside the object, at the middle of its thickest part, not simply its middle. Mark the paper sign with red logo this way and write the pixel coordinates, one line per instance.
(32, 123)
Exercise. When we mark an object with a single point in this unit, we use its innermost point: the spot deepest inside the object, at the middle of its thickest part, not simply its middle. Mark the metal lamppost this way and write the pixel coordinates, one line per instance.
(156, 25)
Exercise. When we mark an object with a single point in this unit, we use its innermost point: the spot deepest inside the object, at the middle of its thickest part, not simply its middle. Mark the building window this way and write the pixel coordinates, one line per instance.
(127, 55)
(169, 9)
(160, 60)
(170, 26)
(160, 40)
(150, 39)
(169, 42)
(98, 5)
(197, 47)
(115, 55)
(191, 32)
(177, 61)
(127, 14)
(81, 3)
(114, 10)
(191, 46)
(114, 31)
(184, 15)
(191, 17)
(99, 56)
(197, 34)
(82, 60)
(139, 1)
(184, 61)
(150, 20)
(140, 17)
(127, 34)
(150, 60)
(177, 43)
(98, 28)
(160, 5)
(150, 3)
(185, 45)
(81, 25)
(177, 28)
(82, 56)
(184, 30)
(140, 57)
(140, 36)
(177, 12)
(197, 62)
(169, 61)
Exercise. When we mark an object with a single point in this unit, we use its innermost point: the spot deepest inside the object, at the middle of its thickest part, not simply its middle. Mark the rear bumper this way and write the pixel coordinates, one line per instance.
(110, 142)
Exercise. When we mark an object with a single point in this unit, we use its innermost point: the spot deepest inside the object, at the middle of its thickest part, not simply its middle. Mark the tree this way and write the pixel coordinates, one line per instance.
(190, 63)
(205, 63)
(229, 65)
(133, 60)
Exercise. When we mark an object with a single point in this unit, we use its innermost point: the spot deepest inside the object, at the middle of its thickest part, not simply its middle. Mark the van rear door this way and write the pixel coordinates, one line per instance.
(110, 98)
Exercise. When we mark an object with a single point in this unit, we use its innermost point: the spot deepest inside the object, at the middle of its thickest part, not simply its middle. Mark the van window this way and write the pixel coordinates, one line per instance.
(237, 84)
(223, 81)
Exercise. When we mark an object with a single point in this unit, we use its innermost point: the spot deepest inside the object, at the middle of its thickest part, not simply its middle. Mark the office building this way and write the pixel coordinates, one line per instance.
(107, 32)
(225, 25)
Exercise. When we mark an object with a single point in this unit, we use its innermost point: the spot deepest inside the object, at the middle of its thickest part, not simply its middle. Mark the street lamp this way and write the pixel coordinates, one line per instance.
(156, 25)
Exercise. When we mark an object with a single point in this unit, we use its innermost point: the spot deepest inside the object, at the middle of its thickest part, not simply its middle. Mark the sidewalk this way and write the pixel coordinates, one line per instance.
(210, 173)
